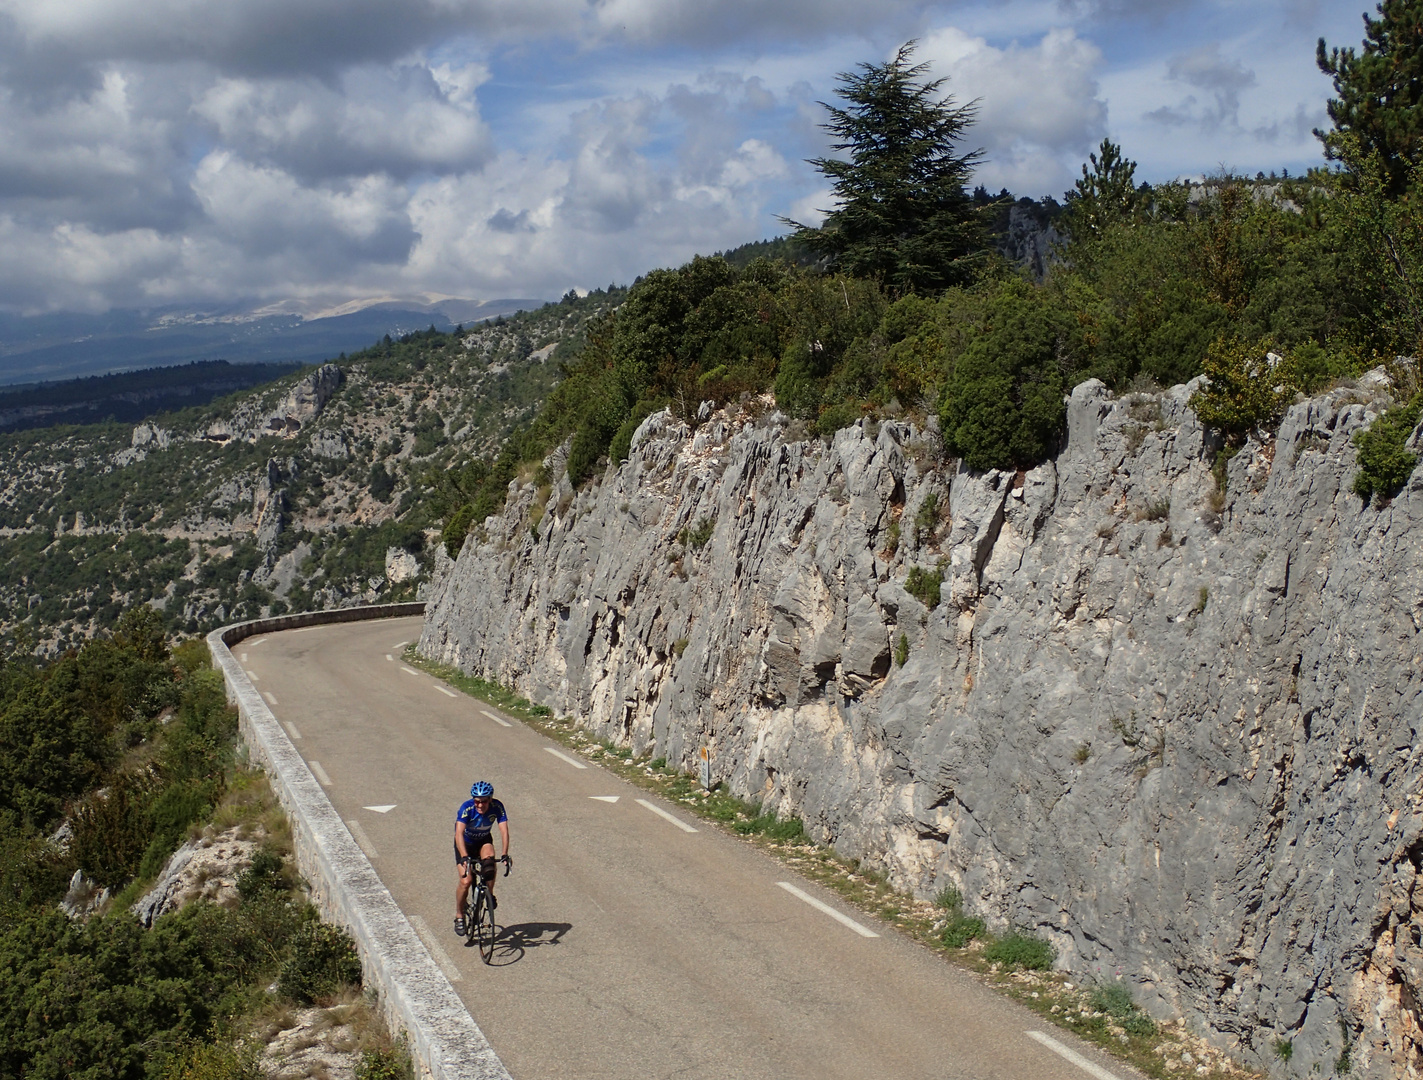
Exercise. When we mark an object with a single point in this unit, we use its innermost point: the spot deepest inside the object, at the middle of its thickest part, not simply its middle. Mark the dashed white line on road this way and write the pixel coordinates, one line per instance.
(362, 839)
(304, 629)
(438, 954)
(292, 730)
(664, 814)
(271, 697)
(604, 798)
(445, 690)
(253, 675)
(400, 644)
(390, 658)
(564, 757)
(497, 719)
(1089, 1067)
(387, 808)
(254, 644)
(840, 917)
(244, 658)
(408, 670)
(320, 772)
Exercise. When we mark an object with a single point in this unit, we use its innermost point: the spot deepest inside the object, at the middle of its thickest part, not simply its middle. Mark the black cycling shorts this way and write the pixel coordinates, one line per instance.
(474, 845)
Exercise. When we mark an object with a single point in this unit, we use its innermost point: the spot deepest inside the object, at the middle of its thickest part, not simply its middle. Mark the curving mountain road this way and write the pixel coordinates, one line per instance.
(632, 947)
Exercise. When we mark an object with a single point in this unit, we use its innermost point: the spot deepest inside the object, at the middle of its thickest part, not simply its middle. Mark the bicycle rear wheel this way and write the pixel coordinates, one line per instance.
(483, 927)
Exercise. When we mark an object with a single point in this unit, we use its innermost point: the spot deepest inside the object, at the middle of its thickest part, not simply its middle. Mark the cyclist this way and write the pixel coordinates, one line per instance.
(474, 841)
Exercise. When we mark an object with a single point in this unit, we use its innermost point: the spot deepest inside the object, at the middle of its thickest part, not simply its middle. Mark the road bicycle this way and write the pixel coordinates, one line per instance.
(480, 928)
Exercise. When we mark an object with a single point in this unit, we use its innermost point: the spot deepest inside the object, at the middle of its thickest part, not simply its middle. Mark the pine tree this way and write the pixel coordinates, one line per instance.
(904, 215)
(1105, 195)
(1380, 90)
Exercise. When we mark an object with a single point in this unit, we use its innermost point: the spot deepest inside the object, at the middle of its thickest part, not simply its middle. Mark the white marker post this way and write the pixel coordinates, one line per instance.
(706, 769)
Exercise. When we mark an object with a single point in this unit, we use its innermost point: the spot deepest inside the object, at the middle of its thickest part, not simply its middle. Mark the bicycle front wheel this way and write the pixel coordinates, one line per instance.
(483, 928)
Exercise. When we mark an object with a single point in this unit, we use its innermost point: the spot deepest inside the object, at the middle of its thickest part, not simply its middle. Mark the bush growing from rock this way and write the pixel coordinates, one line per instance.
(323, 959)
(1385, 463)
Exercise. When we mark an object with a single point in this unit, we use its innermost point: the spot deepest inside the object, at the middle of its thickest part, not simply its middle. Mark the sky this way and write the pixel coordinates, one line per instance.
(186, 152)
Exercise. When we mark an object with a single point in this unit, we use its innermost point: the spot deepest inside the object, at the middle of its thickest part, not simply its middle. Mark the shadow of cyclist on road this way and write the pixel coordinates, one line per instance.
(514, 941)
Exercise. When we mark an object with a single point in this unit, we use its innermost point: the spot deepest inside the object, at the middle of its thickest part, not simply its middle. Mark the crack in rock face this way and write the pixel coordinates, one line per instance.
(1170, 729)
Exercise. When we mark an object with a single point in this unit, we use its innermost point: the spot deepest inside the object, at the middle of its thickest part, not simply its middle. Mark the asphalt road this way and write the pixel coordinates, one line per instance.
(631, 948)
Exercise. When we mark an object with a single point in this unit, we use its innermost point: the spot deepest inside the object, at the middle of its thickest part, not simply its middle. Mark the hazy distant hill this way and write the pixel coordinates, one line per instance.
(67, 345)
(129, 396)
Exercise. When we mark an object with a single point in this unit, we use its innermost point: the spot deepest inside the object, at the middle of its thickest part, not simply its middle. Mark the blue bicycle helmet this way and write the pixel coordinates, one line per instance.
(482, 789)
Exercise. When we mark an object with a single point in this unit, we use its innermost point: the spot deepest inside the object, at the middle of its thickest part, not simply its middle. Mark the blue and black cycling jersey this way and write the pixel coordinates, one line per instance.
(477, 825)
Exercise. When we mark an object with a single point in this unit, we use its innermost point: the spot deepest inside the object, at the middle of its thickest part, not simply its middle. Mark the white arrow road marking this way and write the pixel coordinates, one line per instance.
(604, 798)
(440, 957)
(664, 814)
(408, 670)
(254, 644)
(361, 838)
(564, 757)
(445, 690)
(497, 719)
(840, 917)
(320, 772)
(253, 676)
(292, 730)
(380, 809)
(271, 697)
(1071, 1055)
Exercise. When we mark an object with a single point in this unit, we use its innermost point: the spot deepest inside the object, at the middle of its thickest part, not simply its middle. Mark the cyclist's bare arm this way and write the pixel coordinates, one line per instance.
(459, 845)
(504, 835)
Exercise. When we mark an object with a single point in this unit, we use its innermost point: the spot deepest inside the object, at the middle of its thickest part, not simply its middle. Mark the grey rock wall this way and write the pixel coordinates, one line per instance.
(1176, 734)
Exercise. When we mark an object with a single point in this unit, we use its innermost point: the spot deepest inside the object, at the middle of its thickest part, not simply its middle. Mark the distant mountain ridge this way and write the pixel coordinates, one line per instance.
(67, 345)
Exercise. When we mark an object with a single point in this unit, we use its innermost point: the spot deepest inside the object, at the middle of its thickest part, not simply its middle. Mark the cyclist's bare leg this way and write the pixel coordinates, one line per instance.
(462, 884)
(487, 852)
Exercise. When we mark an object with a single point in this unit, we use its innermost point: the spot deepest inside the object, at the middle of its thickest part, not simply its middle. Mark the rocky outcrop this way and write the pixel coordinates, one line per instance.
(204, 869)
(1174, 731)
(302, 404)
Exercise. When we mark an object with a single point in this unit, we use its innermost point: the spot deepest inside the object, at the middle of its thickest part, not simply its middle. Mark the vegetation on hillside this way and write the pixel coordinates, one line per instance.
(131, 746)
(1268, 285)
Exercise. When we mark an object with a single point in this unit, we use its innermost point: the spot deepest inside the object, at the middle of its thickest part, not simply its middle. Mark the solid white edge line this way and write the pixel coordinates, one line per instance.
(497, 719)
(361, 838)
(271, 697)
(409, 670)
(436, 953)
(1089, 1067)
(319, 772)
(664, 814)
(445, 690)
(293, 731)
(838, 916)
(564, 757)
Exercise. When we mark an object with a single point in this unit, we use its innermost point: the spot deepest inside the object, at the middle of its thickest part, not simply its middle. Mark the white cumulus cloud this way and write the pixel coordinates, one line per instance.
(1040, 110)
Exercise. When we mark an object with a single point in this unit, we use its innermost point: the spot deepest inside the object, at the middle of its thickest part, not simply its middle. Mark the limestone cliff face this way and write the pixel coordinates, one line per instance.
(1178, 737)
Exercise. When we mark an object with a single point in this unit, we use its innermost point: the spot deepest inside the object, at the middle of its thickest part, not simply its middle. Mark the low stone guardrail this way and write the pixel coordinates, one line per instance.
(415, 996)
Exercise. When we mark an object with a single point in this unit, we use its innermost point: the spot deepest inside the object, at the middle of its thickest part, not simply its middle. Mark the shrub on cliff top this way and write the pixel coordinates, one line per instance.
(1385, 463)
(1249, 388)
